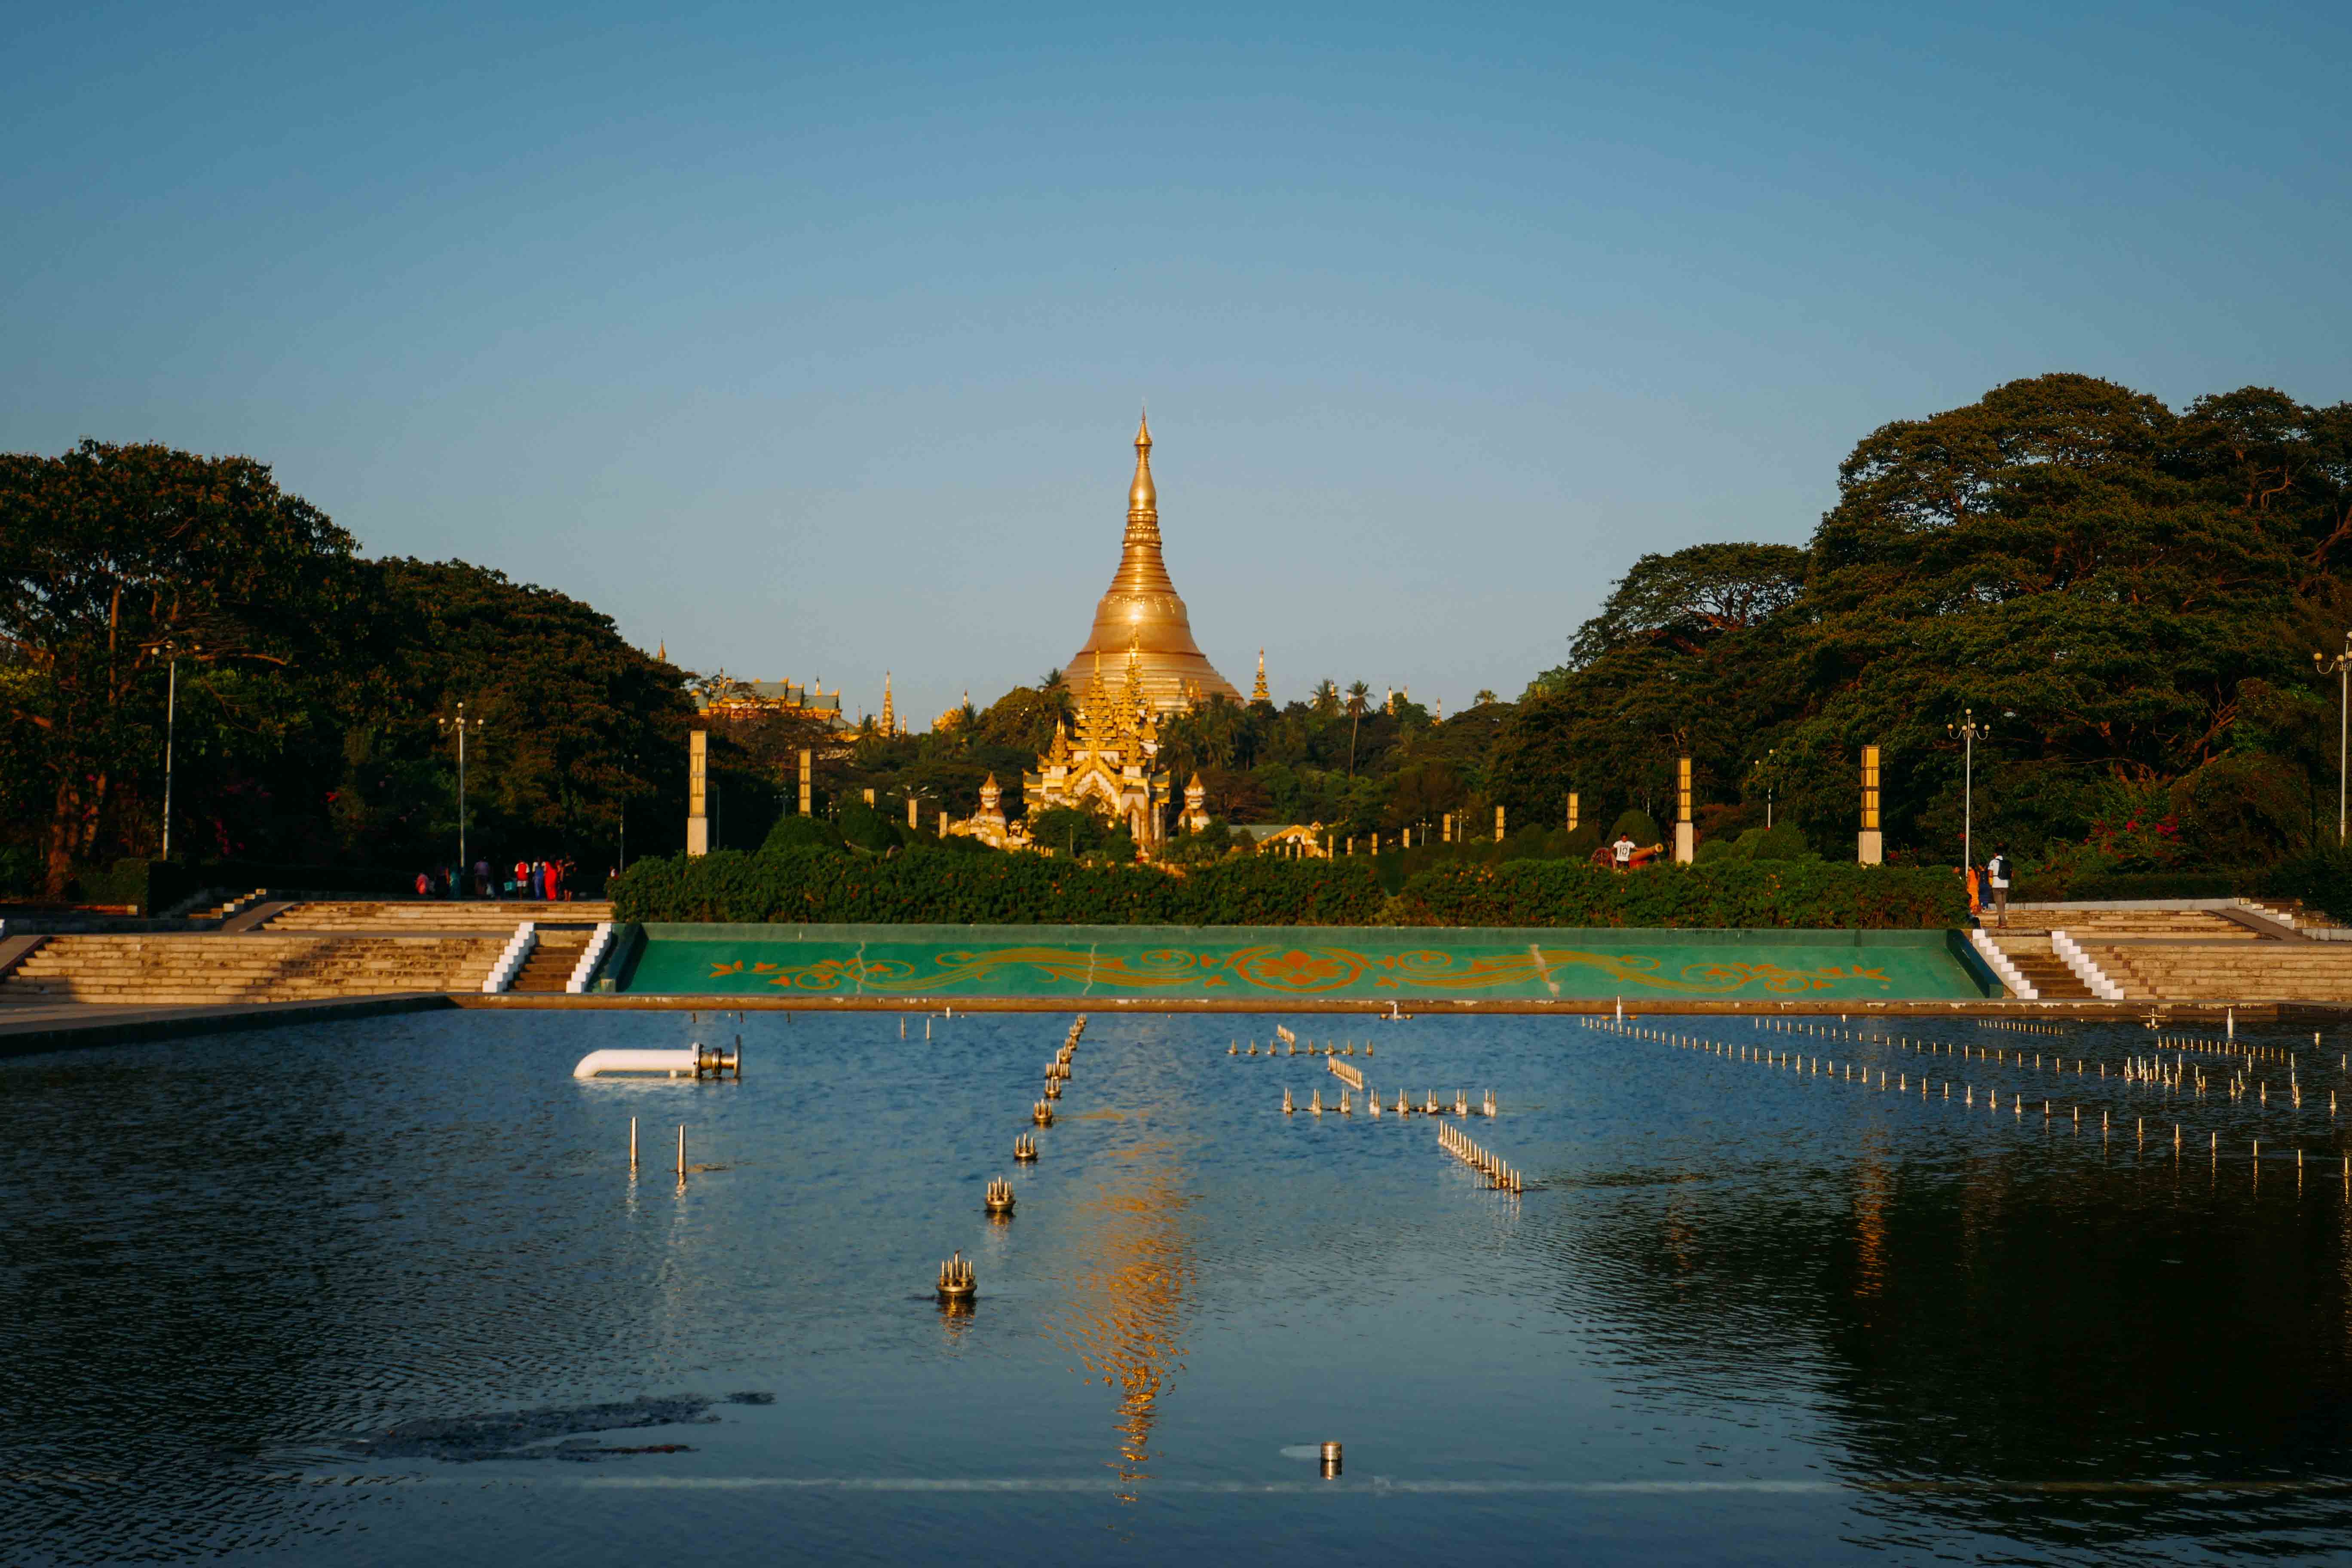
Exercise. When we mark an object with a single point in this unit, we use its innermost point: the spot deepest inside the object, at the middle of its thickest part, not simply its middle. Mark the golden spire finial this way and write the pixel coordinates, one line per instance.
(1143, 496)
(1261, 695)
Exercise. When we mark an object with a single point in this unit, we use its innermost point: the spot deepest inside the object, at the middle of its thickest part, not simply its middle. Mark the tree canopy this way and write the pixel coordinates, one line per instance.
(2123, 596)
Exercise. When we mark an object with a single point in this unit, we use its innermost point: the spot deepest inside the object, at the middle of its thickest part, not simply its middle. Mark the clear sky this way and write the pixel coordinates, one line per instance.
(811, 339)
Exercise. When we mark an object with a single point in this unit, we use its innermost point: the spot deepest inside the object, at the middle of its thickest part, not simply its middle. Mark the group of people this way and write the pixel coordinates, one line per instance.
(1989, 888)
(542, 880)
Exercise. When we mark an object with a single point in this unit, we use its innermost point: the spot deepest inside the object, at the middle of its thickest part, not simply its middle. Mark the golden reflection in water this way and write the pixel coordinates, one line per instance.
(1873, 1187)
(1124, 1320)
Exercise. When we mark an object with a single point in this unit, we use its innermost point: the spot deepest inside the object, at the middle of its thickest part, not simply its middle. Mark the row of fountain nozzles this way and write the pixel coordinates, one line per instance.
(1233, 1048)
(1429, 1106)
(1499, 1176)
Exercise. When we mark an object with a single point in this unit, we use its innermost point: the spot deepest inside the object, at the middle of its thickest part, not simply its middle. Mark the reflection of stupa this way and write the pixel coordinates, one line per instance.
(1141, 611)
(1125, 1316)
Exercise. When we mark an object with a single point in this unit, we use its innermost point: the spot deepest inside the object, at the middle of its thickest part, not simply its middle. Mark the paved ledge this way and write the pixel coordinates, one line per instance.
(27, 1028)
(2133, 1012)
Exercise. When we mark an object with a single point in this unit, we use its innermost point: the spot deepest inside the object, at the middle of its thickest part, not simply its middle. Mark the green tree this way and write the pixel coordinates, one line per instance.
(114, 558)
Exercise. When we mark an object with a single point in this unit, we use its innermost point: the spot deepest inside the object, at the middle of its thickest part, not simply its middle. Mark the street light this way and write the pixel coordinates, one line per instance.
(2342, 665)
(1770, 766)
(461, 724)
(170, 722)
(1968, 731)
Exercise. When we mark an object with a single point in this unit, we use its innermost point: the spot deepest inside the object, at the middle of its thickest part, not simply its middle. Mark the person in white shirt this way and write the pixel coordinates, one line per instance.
(1624, 851)
(1996, 873)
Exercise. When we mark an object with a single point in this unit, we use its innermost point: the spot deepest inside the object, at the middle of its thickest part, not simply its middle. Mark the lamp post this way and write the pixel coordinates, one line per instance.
(461, 724)
(1768, 766)
(1968, 732)
(171, 725)
(2342, 665)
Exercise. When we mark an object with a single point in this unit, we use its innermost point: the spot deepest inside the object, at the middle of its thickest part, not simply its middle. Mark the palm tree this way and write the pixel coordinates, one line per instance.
(1357, 693)
(1325, 698)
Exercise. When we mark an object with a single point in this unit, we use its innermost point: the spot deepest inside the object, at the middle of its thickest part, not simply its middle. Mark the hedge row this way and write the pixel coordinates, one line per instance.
(1805, 893)
(926, 887)
(933, 886)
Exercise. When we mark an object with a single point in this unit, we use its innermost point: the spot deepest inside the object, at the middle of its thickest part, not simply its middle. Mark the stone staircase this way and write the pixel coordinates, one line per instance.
(2043, 970)
(2231, 970)
(2092, 924)
(394, 916)
(551, 963)
(2183, 954)
(158, 970)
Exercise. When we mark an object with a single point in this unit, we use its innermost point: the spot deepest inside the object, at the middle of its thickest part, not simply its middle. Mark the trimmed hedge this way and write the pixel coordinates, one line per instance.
(1718, 894)
(935, 887)
(930, 887)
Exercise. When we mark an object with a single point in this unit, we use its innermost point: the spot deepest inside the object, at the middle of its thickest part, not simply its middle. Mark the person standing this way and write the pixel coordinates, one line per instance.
(555, 882)
(1996, 873)
(1976, 892)
(1624, 849)
(522, 880)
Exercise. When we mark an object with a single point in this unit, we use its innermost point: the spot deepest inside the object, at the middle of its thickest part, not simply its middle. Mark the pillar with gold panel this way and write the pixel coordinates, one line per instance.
(698, 766)
(1686, 832)
(1870, 847)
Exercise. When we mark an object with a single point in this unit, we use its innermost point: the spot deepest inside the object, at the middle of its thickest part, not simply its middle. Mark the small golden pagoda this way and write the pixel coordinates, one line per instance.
(1141, 614)
(1107, 769)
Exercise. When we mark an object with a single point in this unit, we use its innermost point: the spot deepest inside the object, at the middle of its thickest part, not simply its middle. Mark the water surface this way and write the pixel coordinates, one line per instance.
(1744, 1312)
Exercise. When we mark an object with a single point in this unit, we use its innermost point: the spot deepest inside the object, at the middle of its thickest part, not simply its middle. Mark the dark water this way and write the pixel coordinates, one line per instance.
(1743, 1314)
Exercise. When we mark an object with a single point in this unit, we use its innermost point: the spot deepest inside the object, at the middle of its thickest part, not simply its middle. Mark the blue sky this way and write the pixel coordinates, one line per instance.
(810, 341)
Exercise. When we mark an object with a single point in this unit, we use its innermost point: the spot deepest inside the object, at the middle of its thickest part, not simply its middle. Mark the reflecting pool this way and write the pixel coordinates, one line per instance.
(388, 1292)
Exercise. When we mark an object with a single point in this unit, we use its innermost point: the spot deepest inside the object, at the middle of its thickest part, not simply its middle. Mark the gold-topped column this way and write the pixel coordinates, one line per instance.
(1870, 847)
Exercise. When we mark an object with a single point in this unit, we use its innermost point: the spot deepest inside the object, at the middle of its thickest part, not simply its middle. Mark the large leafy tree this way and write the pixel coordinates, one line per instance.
(115, 562)
(576, 724)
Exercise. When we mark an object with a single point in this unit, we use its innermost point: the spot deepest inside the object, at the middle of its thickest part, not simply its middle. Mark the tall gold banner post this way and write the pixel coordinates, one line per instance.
(698, 766)
(807, 790)
(1685, 835)
(1870, 847)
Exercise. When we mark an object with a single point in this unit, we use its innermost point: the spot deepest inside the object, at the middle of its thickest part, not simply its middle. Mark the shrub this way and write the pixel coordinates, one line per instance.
(927, 886)
(1637, 825)
(1728, 892)
(797, 832)
(1781, 841)
(2321, 880)
(867, 828)
(924, 886)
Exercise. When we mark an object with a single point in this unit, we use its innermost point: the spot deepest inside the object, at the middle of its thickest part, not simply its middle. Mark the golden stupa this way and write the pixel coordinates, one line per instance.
(1141, 616)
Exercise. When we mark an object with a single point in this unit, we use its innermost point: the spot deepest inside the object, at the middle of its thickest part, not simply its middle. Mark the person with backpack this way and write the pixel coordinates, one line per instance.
(1997, 872)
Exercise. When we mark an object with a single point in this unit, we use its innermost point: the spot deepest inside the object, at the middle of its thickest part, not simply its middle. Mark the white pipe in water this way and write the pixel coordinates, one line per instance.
(676, 1064)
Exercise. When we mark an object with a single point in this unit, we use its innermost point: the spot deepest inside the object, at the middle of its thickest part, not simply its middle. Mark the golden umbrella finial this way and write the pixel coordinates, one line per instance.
(1143, 496)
